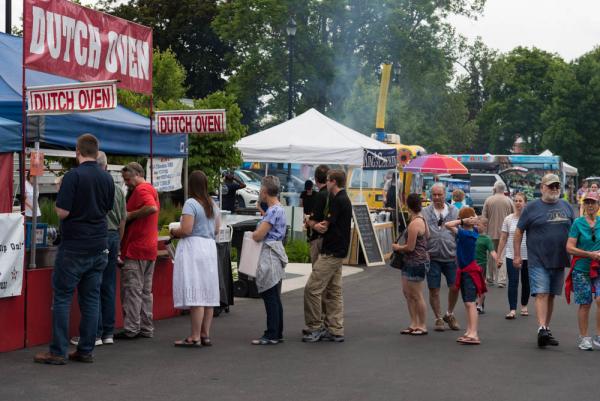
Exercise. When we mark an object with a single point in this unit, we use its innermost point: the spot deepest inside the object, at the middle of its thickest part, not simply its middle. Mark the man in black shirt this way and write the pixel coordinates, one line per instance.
(326, 276)
(229, 190)
(319, 210)
(85, 197)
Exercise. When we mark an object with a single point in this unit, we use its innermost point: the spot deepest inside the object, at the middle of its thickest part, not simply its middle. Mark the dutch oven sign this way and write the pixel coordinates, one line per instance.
(369, 242)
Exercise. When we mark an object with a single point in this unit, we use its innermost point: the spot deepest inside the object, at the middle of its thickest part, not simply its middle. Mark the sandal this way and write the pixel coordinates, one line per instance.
(524, 312)
(459, 339)
(469, 340)
(419, 332)
(188, 343)
(510, 315)
(407, 330)
(206, 341)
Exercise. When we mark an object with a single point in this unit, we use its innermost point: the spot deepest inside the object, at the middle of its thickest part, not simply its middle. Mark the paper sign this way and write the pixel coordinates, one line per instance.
(12, 252)
(167, 174)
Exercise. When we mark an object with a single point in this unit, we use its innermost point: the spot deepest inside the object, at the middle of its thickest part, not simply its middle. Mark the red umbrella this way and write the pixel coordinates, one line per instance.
(435, 164)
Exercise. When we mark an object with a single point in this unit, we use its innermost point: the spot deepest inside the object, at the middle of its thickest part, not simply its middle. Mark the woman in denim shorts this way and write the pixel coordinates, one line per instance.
(416, 265)
(584, 245)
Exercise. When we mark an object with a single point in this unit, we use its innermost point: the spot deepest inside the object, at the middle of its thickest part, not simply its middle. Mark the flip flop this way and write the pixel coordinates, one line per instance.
(407, 330)
(510, 316)
(187, 343)
(418, 332)
(459, 339)
(206, 341)
(524, 313)
(469, 341)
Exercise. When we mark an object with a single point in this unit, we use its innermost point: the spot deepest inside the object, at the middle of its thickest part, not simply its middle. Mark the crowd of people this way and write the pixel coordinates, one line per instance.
(103, 229)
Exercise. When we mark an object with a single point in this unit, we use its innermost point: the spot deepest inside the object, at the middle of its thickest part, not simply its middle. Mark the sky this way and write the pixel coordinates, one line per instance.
(569, 28)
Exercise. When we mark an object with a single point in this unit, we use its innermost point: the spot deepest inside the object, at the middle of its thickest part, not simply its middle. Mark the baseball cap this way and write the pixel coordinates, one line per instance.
(591, 195)
(550, 179)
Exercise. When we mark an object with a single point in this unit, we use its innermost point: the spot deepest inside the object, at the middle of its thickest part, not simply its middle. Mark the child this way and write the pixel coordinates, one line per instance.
(469, 276)
(483, 245)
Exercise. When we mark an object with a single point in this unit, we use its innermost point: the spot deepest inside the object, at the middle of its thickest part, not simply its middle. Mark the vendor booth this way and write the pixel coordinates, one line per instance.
(313, 138)
(26, 318)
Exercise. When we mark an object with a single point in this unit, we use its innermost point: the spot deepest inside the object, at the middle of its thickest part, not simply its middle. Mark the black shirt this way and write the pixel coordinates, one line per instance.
(320, 209)
(308, 201)
(336, 239)
(87, 193)
(228, 195)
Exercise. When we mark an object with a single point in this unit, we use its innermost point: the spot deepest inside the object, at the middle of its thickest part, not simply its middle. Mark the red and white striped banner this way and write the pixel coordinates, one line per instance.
(71, 98)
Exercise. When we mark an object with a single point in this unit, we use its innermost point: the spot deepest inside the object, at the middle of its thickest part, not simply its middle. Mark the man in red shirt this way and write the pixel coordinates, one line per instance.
(138, 251)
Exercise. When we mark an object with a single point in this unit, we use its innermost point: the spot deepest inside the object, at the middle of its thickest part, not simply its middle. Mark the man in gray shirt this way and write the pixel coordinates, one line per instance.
(442, 252)
(547, 222)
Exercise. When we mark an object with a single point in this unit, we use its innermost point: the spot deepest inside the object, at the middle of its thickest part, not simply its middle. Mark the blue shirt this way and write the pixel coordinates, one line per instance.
(466, 241)
(87, 192)
(583, 232)
(203, 226)
(275, 216)
(547, 226)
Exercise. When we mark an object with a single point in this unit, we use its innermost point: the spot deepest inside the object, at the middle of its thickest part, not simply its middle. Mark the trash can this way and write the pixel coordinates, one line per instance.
(225, 277)
(244, 287)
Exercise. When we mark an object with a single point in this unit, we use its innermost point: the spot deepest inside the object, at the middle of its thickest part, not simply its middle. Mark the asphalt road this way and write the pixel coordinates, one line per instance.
(375, 362)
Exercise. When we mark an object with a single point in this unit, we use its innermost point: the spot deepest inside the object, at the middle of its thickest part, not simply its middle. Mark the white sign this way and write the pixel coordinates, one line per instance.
(167, 174)
(190, 121)
(72, 98)
(12, 253)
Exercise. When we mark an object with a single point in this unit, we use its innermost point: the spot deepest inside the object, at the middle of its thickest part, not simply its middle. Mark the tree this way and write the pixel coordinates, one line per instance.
(519, 86)
(211, 153)
(336, 43)
(571, 118)
(185, 27)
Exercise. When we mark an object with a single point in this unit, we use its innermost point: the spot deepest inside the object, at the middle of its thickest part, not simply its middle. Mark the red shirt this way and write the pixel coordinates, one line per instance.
(141, 235)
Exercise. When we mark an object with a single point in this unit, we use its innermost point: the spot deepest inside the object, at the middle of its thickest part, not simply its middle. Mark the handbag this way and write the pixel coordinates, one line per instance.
(397, 260)
(250, 255)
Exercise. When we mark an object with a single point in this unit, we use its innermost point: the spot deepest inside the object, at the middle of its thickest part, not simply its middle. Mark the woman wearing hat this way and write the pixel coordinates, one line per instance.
(583, 280)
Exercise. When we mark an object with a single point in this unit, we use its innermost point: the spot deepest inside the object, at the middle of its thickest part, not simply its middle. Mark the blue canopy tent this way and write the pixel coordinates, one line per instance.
(120, 131)
(10, 136)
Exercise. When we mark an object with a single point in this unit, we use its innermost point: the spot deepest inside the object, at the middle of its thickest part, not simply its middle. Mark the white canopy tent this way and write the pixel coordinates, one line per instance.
(310, 138)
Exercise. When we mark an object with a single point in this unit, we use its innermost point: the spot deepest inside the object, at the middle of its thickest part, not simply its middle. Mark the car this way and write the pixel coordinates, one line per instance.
(247, 197)
(482, 187)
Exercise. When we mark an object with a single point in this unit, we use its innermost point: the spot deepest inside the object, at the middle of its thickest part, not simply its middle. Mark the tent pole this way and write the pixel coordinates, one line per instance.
(34, 209)
(186, 170)
(361, 181)
(151, 141)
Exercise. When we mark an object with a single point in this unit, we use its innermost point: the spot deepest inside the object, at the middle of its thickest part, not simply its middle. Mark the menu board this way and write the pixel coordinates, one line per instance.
(369, 242)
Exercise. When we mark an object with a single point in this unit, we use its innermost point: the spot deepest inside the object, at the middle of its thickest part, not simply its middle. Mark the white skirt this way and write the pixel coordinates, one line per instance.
(195, 274)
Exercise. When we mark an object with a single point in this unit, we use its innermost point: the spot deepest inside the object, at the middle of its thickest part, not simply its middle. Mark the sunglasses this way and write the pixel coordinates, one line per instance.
(589, 202)
(440, 221)
(554, 185)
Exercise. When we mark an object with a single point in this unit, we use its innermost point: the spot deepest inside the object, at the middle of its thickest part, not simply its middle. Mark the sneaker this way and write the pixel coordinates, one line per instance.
(313, 336)
(451, 320)
(439, 324)
(75, 341)
(79, 357)
(125, 335)
(49, 359)
(480, 310)
(108, 341)
(585, 343)
(264, 341)
(551, 340)
(543, 338)
(501, 285)
(596, 341)
(327, 336)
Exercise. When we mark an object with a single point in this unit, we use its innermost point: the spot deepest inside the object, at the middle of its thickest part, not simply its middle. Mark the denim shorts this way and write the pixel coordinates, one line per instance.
(582, 287)
(415, 273)
(546, 281)
(434, 275)
(468, 290)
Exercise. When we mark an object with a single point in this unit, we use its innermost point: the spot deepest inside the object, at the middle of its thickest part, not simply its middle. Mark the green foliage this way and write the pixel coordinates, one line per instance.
(298, 251)
(49, 215)
(211, 153)
(185, 27)
(169, 213)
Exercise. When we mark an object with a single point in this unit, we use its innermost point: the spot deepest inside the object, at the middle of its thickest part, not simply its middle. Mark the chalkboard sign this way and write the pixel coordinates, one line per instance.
(369, 242)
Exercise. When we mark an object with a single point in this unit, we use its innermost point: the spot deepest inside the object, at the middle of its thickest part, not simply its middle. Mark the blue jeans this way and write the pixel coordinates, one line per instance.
(81, 270)
(106, 318)
(274, 308)
(513, 284)
(546, 281)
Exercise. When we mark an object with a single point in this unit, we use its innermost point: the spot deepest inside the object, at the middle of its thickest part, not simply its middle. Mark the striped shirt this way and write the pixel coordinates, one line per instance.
(509, 226)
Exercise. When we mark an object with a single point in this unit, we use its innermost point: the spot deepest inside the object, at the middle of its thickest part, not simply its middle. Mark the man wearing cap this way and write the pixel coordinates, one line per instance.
(547, 222)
